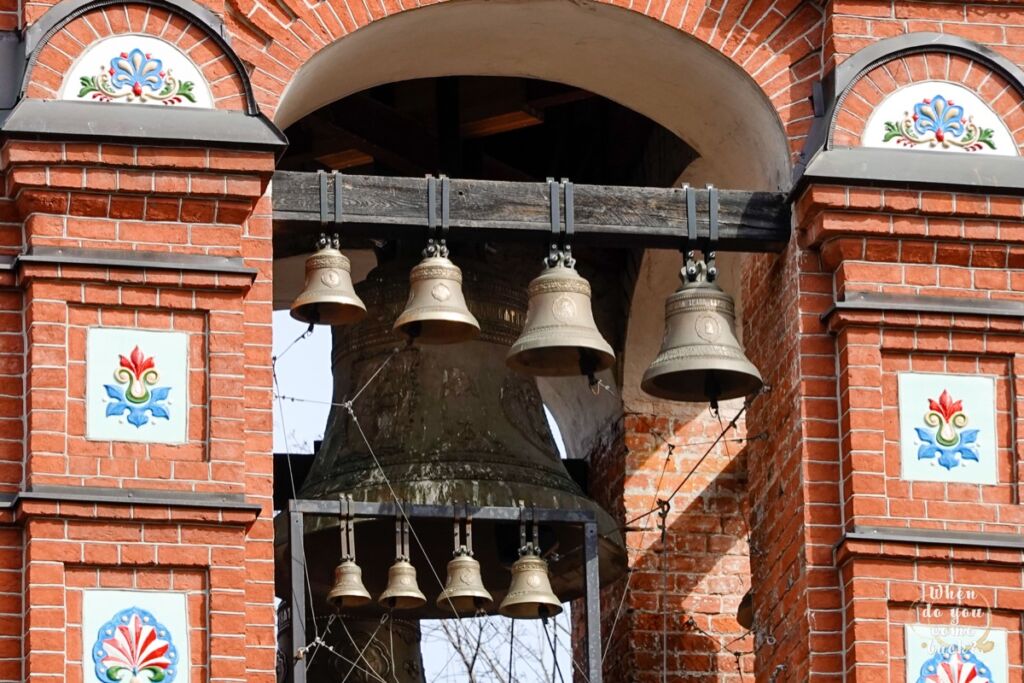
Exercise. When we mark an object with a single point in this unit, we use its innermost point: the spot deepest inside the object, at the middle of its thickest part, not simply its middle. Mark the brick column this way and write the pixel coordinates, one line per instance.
(150, 239)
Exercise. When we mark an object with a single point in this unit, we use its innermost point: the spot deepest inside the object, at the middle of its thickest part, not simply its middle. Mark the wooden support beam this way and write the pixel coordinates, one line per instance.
(378, 207)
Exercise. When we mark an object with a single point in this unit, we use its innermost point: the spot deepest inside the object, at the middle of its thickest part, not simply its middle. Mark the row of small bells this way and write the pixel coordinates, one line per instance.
(529, 595)
(700, 360)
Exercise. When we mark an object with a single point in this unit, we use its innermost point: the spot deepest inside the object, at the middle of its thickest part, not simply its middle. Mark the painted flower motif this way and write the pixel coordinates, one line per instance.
(945, 406)
(947, 441)
(136, 76)
(940, 117)
(135, 391)
(134, 648)
(138, 70)
(939, 122)
(953, 665)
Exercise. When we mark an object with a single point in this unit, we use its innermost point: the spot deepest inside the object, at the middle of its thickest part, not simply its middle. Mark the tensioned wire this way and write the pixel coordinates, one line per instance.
(657, 507)
(347, 405)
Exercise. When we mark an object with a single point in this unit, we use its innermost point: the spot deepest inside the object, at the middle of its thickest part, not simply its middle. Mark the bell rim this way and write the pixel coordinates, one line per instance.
(515, 361)
(461, 329)
(354, 311)
(650, 386)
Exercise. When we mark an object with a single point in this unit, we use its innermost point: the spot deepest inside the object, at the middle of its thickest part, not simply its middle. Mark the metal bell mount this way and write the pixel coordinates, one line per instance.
(529, 595)
(402, 592)
(560, 337)
(436, 312)
(464, 591)
(348, 590)
(701, 359)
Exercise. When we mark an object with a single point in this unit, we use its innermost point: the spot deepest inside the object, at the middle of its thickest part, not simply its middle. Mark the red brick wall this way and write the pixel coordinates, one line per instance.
(185, 201)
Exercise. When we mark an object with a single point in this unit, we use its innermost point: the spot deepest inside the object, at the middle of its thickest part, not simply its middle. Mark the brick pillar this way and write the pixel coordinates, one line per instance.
(147, 240)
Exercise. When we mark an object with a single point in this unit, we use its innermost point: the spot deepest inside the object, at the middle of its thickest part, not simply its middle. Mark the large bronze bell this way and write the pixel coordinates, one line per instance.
(700, 358)
(348, 590)
(464, 591)
(560, 337)
(530, 596)
(446, 423)
(436, 312)
(328, 297)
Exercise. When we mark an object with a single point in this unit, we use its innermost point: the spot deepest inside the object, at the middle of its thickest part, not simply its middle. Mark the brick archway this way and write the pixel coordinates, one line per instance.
(733, 84)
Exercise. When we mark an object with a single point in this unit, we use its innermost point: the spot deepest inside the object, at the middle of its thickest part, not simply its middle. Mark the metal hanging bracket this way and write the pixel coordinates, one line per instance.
(712, 246)
(556, 224)
(691, 269)
(437, 236)
(339, 215)
(570, 228)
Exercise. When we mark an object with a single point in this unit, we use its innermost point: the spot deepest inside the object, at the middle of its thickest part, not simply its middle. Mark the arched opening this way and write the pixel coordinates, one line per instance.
(506, 90)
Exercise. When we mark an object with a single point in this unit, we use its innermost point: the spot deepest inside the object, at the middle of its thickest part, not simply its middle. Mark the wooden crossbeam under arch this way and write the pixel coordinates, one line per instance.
(380, 207)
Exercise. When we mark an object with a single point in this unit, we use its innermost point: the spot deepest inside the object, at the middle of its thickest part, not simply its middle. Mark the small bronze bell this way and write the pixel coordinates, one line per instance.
(464, 591)
(700, 358)
(402, 592)
(436, 311)
(348, 590)
(529, 595)
(560, 337)
(328, 297)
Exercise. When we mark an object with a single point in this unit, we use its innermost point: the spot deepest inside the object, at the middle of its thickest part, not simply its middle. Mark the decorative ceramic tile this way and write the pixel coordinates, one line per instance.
(937, 116)
(136, 385)
(137, 69)
(948, 428)
(956, 654)
(135, 637)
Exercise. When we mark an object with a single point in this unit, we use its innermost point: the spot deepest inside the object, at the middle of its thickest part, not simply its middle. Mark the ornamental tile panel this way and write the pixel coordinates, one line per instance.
(136, 385)
(938, 116)
(950, 653)
(948, 428)
(136, 69)
(135, 637)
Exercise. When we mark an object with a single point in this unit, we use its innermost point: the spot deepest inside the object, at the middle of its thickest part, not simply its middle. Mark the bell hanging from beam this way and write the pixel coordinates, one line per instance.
(436, 312)
(700, 358)
(464, 591)
(328, 297)
(560, 337)
(348, 591)
(402, 592)
(529, 595)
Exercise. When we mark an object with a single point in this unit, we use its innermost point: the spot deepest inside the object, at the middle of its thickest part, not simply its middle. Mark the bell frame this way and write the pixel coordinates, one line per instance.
(585, 519)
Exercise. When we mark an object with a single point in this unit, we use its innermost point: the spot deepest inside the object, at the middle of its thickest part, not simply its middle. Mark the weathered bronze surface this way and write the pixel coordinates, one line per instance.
(701, 359)
(390, 651)
(348, 590)
(328, 297)
(464, 593)
(447, 424)
(402, 592)
(530, 595)
(560, 337)
(436, 311)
